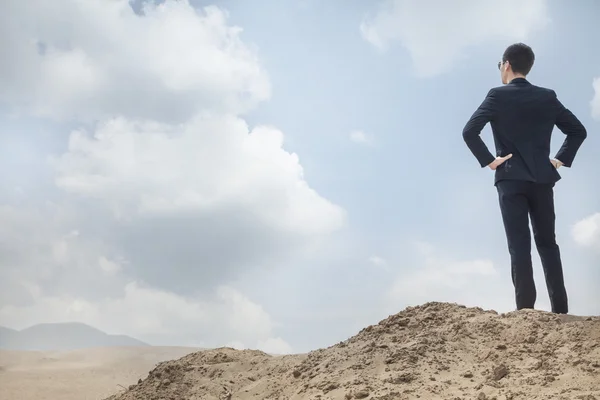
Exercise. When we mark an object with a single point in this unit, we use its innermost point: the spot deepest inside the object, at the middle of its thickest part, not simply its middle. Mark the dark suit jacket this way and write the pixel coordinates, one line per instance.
(523, 117)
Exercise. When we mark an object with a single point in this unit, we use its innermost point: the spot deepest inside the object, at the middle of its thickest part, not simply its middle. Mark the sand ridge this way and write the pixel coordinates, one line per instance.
(434, 351)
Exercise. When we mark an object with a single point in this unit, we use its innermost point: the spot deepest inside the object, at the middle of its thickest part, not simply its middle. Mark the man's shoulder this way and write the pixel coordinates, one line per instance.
(499, 90)
(512, 89)
(544, 90)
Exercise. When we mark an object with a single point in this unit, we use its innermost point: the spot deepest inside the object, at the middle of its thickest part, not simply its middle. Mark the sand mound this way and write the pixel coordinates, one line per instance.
(434, 351)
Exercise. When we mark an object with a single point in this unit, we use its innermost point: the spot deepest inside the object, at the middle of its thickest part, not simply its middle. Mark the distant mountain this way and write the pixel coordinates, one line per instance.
(63, 336)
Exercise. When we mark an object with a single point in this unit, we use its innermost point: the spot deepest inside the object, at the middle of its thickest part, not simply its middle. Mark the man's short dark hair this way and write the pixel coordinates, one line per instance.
(520, 56)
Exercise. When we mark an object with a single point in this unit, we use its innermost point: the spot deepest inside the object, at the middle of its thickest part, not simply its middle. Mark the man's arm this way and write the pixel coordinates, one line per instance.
(472, 130)
(575, 131)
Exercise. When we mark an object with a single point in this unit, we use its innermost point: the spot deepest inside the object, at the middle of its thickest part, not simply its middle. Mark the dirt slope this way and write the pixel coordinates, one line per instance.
(434, 351)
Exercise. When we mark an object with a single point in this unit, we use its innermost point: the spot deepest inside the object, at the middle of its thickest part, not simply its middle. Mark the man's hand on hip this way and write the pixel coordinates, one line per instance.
(557, 163)
(498, 162)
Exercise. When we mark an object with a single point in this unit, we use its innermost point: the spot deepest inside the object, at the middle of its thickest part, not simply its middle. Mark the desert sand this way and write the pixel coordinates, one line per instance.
(90, 374)
(434, 351)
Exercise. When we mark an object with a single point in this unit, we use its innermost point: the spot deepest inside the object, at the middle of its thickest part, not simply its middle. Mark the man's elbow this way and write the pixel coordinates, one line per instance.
(467, 134)
(578, 130)
(471, 138)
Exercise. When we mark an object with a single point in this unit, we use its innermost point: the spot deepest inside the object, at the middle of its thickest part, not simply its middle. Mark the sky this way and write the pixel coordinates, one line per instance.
(272, 174)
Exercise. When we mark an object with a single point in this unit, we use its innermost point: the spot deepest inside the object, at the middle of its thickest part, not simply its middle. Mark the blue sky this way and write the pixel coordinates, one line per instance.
(353, 197)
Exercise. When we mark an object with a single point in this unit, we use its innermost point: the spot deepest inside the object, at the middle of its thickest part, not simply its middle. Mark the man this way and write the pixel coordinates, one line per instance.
(522, 117)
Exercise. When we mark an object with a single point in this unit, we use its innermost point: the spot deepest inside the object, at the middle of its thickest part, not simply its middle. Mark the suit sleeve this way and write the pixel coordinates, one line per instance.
(573, 128)
(472, 130)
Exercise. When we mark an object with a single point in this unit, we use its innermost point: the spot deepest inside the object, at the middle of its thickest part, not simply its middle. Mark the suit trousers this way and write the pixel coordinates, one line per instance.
(520, 200)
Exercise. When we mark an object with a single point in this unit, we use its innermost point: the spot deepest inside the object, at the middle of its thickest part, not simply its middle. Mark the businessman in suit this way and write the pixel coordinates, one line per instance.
(522, 117)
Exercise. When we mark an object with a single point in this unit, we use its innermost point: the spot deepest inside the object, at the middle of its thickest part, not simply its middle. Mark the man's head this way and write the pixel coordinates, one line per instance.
(517, 61)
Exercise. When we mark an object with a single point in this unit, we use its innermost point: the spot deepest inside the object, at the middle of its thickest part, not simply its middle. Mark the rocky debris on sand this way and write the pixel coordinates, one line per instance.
(433, 351)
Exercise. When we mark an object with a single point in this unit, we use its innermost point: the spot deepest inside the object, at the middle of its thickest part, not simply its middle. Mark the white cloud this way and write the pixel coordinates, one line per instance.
(162, 183)
(437, 34)
(109, 267)
(440, 278)
(39, 247)
(201, 197)
(361, 137)
(204, 198)
(166, 317)
(379, 262)
(587, 231)
(275, 345)
(211, 162)
(97, 58)
(595, 103)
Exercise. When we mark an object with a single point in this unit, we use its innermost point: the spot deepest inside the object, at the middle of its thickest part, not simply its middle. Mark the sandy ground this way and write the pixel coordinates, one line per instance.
(435, 351)
(90, 374)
